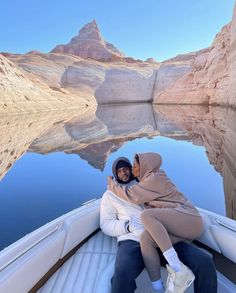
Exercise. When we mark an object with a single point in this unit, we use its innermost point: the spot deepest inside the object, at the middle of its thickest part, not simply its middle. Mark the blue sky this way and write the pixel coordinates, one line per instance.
(140, 28)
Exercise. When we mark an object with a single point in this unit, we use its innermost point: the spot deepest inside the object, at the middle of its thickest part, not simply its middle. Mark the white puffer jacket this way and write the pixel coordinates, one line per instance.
(115, 213)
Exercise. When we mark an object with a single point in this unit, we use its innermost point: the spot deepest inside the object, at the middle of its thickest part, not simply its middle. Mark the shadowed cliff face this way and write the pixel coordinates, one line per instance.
(215, 129)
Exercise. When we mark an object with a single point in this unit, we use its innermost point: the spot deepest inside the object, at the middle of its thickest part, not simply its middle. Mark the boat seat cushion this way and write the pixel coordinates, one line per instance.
(91, 268)
(79, 226)
(20, 276)
(82, 272)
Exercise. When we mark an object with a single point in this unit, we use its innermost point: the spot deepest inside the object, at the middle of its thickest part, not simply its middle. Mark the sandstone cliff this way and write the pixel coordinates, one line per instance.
(107, 82)
(77, 69)
(207, 82)
(232, 62)
(24, 92)
(212, 77)
(90, 70)
(112, 82)
(90, 44)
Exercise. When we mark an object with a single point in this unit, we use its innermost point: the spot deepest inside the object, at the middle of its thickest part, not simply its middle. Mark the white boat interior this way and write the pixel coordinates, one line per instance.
(71, 255)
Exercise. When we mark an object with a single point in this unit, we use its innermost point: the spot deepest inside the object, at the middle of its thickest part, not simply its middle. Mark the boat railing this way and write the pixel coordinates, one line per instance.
(225, 225)
(29, 247)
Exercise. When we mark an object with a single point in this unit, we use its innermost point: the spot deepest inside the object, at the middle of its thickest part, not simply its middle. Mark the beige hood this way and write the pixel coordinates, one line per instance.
(149, 162)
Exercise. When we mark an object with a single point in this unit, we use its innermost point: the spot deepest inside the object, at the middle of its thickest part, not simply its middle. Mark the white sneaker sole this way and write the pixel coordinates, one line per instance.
(188, 284)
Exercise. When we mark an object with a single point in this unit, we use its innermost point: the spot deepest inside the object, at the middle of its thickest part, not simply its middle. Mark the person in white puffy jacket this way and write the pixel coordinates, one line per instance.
(121, 219)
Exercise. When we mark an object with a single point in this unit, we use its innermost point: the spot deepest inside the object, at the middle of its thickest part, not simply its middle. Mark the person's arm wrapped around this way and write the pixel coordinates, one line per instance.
(137, 194)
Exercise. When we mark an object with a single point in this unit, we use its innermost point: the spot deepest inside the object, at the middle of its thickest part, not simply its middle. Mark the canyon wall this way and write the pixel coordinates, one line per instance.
(212, 79)
(232, 62)
(89, 71)
(21, 91)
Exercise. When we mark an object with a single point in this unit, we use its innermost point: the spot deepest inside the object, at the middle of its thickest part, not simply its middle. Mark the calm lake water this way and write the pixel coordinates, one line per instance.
(51, 163)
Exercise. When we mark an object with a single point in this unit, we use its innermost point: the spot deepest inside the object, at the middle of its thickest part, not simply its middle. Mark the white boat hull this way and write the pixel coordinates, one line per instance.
(25, 262)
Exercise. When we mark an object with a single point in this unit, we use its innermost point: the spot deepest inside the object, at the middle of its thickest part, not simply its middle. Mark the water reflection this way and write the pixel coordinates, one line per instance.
(17, 132)
(215, 129)
(105, 132)
(95, 136)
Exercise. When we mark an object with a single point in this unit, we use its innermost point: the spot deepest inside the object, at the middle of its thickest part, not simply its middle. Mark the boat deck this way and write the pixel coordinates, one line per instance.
(90, 270)
(71, 255)
(86, 269)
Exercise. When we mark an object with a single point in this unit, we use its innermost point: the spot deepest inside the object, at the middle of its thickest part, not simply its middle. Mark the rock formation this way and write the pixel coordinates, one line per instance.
(73, 71)
(90, 44)
(24, 92)
(212, 76)
(92, 69)
(207, 82)
(113, 82)
(232, 62)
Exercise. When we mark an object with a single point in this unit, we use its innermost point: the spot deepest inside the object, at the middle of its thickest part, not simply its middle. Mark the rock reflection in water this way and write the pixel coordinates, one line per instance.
(94, 136)
(17, 132)
(215, 129)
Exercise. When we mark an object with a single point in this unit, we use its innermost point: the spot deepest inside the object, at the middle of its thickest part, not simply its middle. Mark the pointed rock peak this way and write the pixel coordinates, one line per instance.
(90, 44)
(90, 31)
(93, 23)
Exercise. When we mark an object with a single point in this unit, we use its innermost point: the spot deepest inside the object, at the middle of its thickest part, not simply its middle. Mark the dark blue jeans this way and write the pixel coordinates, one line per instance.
(129, 264)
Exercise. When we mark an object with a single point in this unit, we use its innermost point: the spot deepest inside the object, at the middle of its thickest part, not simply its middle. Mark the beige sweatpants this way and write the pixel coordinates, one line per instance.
(164, 227)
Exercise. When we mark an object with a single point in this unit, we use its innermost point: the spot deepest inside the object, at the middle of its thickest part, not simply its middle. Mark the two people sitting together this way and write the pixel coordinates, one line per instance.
(154, 224)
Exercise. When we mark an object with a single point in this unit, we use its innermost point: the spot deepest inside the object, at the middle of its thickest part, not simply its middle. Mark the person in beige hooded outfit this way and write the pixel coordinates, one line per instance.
(169, 218)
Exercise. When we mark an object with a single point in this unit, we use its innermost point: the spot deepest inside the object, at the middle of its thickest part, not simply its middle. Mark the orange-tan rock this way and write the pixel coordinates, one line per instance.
(90, 70)
(232, 62)
(105, 82)
(212, 76)
(90, 44)
(25, 92)
(207, 82)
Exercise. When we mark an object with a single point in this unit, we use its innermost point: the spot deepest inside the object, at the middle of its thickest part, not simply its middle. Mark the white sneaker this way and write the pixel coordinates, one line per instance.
(178, 282)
